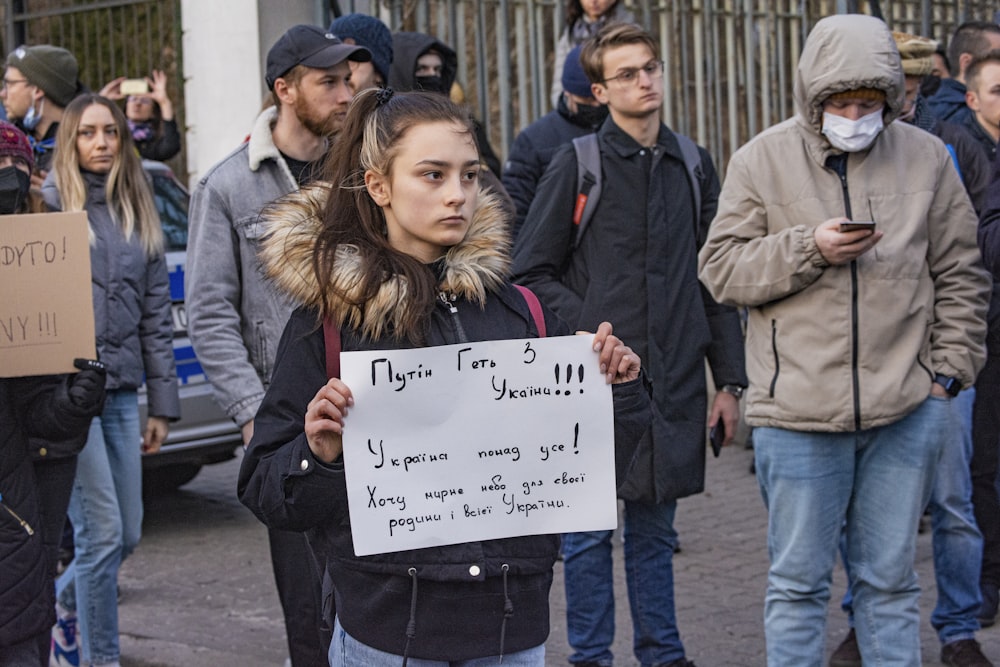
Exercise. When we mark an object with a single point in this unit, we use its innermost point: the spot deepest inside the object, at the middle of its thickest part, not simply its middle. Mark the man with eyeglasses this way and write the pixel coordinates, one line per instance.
(635, 264)
(38, 84)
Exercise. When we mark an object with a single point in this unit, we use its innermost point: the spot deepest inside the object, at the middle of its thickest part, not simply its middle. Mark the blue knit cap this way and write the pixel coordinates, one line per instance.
(369, 32)
(574, 81)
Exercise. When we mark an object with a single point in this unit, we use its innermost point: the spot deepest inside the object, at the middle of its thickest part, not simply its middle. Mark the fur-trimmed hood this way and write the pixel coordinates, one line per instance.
(480, 264)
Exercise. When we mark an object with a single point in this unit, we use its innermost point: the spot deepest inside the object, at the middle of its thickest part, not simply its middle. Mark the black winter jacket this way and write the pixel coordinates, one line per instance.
(531, 153)
(30, 407)
(636, 266)
(461, 590)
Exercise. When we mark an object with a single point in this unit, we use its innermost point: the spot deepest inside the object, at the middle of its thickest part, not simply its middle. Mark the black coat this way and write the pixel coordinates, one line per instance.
(459, 615)
(636, 266)
(989, 223)
(32, 407)
(531, 153)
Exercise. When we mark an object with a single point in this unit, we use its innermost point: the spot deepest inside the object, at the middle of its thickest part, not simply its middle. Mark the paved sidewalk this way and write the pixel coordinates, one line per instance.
(199, 592)
(721, 573)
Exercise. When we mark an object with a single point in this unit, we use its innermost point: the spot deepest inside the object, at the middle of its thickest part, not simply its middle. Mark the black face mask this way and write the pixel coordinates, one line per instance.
(14, 186)
(590, 116)
(432, 84)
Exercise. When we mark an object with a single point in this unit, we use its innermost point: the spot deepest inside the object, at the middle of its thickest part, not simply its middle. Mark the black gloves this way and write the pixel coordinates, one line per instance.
(86, 388)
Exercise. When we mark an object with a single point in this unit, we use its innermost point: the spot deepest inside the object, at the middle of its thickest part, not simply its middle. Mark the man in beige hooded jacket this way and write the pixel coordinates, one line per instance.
(857, 338)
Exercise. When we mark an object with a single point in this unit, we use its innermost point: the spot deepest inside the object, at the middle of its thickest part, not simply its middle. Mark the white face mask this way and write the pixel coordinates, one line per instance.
(849, 135)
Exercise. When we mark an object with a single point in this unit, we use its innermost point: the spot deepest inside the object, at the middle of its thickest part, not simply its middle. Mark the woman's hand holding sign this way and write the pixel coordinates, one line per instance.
(324, 424)
(618, 362)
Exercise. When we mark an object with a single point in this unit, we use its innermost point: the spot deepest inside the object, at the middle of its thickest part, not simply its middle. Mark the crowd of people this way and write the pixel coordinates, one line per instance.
(838, 280)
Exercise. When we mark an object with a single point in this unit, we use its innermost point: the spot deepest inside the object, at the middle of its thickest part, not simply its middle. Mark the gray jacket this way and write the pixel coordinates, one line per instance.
(235, 317)
(131, 292)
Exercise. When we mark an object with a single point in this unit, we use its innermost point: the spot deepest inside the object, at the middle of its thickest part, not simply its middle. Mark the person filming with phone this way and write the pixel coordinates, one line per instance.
(150, 114)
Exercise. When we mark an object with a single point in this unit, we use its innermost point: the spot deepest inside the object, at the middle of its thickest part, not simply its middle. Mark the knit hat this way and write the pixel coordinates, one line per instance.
(14, 143)
(51, 68)
(369, 32)
(915, 52)
(574, 81)
(860, 93)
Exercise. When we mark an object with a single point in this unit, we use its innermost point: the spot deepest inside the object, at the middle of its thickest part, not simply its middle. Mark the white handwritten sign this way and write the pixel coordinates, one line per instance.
(477, 441)
(46, 306)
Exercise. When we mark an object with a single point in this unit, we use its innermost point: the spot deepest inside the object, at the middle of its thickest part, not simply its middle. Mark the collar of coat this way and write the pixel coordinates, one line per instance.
(622, 143)
(477, 266)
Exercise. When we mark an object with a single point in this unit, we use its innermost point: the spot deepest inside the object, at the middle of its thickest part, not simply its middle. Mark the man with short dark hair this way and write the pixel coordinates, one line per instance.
(971, 40)
(235, 318)
(643, 237)
(983, 97)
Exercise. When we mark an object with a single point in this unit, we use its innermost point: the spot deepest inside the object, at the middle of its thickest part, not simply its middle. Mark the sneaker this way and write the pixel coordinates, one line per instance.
(987, 615)
(680, 662)
(65, 652)
(964, 653)
(847, 654)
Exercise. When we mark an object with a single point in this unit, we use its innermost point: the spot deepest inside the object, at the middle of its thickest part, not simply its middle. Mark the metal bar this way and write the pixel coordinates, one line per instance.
(75, 9)
(698, 63)
(503, 78)
(521, 48)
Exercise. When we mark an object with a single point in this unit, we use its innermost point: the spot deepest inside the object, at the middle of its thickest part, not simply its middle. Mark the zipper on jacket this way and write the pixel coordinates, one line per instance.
(839, 163)
(24, 524)
(777, 361)
(455, 319)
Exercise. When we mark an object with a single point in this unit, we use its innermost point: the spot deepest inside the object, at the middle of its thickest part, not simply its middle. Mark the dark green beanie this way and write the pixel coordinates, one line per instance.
(51, 68)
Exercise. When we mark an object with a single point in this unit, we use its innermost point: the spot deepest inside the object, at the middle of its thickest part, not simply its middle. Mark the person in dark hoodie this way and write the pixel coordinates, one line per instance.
(577, 113)
(43, 425)
(422, 62)
(405, 162)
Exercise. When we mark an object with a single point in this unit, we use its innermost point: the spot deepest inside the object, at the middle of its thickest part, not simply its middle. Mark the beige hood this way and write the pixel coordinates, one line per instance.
(839, 56)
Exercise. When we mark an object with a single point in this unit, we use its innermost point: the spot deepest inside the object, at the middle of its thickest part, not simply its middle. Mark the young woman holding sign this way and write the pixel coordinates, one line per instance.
(97, 170)
(403, 251)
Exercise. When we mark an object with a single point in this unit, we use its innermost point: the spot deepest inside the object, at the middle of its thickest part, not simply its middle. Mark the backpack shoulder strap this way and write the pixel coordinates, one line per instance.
(588, 182)
(692, 162)
(534, 307)
(331, 337)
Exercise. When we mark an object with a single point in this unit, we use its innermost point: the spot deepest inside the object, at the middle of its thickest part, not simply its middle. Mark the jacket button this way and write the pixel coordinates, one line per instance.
(474, 570)
(304, 465)
(42, 451)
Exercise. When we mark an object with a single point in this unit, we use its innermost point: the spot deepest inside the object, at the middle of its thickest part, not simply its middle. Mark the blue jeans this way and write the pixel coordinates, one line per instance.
(876, 483)
(650, 539)
(106, 511)
(957, 544)
(346, 651)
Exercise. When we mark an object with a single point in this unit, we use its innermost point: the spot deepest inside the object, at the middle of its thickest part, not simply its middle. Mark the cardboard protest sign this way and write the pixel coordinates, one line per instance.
(477, 441)
(46, 306)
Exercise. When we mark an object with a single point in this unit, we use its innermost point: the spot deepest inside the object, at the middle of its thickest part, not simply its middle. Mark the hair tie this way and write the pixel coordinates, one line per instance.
(383, 95)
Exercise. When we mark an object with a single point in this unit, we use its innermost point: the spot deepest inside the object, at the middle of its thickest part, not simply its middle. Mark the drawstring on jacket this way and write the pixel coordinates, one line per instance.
(411, 625)
(508, 609)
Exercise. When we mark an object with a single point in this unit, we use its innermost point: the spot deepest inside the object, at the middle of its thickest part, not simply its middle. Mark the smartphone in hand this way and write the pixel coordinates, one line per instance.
(716, 436)
(855, 225)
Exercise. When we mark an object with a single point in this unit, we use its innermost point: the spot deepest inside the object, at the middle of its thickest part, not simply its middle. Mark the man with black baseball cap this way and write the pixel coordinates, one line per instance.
(234, 318)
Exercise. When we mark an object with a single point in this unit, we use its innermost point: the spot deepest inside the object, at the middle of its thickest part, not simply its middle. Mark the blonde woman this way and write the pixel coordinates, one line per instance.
(97, 169)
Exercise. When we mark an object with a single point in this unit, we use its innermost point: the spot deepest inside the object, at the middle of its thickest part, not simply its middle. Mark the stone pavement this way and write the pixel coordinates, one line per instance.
(721, 574)
(198, 591)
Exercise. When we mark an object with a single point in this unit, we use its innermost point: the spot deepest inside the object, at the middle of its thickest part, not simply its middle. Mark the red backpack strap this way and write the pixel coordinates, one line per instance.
(331, 337)
(534, 307)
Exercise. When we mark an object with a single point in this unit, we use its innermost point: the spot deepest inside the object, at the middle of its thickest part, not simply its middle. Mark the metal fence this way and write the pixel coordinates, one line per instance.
(729, 69)
(110, 38)
(729, 62)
